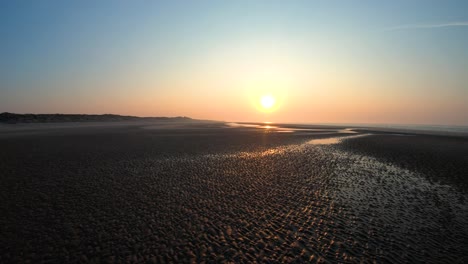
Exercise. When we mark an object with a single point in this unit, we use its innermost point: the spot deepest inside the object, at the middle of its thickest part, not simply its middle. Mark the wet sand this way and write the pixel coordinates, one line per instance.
(212, 192)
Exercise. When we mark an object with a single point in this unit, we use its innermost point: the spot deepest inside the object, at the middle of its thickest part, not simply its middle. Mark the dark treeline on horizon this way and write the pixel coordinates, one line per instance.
(13, 118)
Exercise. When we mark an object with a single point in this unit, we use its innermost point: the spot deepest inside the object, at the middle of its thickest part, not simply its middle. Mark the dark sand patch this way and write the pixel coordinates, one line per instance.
(441, 158)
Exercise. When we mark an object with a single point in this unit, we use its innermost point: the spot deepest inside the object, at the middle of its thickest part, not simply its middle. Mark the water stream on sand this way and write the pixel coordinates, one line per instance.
(325, 203)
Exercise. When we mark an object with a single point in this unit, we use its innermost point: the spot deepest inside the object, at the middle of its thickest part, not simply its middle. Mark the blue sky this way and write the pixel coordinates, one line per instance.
(133, 57)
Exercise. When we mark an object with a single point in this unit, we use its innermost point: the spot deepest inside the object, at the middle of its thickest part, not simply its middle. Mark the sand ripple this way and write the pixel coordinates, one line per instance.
(298, 203)
(311, 203)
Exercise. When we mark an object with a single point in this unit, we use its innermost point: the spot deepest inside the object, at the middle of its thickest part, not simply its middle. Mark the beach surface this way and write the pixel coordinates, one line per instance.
(194, 192)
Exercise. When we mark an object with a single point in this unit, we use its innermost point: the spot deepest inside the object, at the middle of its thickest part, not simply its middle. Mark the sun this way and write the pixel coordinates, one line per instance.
(267, 101)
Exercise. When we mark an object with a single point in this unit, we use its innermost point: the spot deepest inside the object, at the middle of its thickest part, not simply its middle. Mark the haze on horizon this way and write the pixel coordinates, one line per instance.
(398, 62)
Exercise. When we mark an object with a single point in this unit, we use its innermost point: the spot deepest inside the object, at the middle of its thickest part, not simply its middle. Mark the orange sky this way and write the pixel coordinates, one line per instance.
(346, 62)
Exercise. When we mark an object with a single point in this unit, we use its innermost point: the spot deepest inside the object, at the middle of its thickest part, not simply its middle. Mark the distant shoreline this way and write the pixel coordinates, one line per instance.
(12, 118)
(458, 131)
(7, 119)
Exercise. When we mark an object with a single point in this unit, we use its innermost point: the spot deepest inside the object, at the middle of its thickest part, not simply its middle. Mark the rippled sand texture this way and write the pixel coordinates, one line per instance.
(148, 198)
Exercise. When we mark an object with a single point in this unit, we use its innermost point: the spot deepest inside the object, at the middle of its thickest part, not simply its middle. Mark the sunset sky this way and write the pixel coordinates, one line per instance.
(386, 62)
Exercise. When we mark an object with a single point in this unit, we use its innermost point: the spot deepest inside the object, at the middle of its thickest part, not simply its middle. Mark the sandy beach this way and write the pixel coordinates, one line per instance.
(207, 192)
